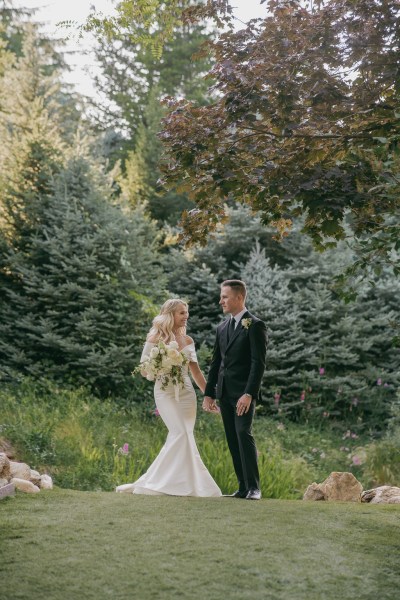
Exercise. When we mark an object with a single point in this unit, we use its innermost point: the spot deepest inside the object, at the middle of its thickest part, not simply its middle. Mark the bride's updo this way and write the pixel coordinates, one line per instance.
(163, 323)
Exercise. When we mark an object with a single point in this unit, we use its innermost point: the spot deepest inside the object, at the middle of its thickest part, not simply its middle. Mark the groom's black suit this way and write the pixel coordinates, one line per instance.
(237, 368)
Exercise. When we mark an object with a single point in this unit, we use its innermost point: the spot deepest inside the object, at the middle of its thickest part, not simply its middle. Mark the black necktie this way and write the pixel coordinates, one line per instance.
(231, 328)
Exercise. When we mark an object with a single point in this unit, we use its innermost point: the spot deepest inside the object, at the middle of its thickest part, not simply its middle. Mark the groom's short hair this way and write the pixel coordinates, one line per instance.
(237, 285)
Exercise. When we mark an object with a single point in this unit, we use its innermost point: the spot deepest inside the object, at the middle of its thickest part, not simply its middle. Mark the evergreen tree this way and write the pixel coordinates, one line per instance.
(32, 147)
(325, 358)
(130, 72)
(77, 301)
(140, 181)
(199, 287)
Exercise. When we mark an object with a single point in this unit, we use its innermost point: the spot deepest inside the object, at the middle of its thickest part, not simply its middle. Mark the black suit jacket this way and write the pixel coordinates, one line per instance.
(237, 366)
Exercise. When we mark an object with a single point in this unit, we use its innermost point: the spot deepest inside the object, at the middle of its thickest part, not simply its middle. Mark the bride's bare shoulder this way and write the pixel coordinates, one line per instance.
(153, 339)
(188, 340)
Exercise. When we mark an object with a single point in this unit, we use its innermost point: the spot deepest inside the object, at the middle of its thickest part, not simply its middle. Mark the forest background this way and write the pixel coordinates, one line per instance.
(90, 246)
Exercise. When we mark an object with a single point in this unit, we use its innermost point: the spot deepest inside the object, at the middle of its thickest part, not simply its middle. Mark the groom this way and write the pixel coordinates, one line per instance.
(237, 367)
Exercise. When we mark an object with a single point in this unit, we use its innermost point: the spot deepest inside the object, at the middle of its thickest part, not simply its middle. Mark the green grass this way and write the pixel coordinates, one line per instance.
(69, 545)
(75, 438)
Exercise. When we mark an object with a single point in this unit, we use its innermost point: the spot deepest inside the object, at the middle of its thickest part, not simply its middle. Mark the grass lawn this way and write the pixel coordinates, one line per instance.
(92, 545)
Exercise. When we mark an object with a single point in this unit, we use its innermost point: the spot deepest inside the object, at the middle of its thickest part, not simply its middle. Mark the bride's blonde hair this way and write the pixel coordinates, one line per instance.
(163, 323)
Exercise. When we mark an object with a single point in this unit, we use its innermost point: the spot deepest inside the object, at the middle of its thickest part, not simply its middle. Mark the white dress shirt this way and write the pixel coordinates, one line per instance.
(239, 316)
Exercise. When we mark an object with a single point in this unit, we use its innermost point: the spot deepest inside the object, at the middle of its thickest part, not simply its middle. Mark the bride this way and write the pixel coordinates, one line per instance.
(178, 469)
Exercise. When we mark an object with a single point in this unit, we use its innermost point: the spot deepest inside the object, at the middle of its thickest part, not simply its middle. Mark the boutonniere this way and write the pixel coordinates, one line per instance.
(246, 323)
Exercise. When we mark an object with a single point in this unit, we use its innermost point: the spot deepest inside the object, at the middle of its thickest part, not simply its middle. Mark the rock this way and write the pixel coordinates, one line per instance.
(35, 477)
(338, 486)
(20, 470)
(46, 482)
(4, 466)
(342, 486)
(3, 482)
(314, 492)
(25, 486)
(7, 490)
(385, 494)
(7, 448)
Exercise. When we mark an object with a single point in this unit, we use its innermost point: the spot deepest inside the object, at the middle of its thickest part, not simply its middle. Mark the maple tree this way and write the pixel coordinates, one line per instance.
(306, 121)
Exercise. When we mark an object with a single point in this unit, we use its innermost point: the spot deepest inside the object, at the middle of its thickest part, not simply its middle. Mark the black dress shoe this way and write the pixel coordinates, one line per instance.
(238, 494)
(253, 494)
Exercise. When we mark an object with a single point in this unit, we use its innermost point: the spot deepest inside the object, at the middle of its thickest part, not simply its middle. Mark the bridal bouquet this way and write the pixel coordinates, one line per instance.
(165, 363)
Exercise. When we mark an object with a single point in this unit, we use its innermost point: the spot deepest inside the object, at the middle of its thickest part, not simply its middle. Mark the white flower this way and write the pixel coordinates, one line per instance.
(246, 323)
(174, 356)
(165, 364)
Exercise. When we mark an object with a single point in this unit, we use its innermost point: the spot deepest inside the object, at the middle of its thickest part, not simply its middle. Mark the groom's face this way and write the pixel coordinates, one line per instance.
(231, 301)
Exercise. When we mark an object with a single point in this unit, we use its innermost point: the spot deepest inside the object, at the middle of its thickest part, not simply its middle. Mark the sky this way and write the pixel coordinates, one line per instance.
(79, 54)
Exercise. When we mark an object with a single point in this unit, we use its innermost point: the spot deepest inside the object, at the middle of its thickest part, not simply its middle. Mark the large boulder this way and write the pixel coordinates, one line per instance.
(7, 448)
(20, 470)
(34, 477)
(342, 486)
(338, 486)
(25, 486)
(46, 482)
(5, 472)
(385, 494)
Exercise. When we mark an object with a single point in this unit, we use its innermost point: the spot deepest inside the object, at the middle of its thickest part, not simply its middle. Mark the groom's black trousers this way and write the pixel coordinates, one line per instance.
(241, 442)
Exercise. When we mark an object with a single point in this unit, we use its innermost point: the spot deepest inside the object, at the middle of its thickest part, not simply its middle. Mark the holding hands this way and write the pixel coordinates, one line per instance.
(242, 405)
(210, 405)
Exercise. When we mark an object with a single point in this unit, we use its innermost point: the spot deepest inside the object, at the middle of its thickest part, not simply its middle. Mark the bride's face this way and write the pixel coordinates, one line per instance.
(181, 316)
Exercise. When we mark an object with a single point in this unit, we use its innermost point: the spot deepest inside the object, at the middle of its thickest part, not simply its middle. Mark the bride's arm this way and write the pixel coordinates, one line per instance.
(197, 375)
(146, 351)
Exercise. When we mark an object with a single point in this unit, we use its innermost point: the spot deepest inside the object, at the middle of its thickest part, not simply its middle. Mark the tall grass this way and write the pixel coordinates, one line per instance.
(79, 440)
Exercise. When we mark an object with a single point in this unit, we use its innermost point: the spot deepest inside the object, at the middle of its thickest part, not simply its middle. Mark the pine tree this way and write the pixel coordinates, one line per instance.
(77, 301)
(326, 359)
(199, 287)
(130, 72)
(140, 181)
(32, 147)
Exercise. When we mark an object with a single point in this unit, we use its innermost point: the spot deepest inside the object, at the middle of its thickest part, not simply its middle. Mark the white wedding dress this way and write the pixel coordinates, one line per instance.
(178, 469)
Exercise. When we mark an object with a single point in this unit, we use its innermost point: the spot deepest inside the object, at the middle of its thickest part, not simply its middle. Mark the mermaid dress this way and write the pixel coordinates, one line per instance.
(178, 469)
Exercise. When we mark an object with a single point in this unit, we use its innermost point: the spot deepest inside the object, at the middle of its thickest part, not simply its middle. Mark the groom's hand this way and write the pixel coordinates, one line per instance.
(243, 404)
(209, 405)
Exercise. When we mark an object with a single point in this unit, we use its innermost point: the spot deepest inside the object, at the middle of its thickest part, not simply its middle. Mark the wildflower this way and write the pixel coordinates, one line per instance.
(156, 412)
(322, 455)
(385, 385)
(354, 436)
(277, 397)
(356, 460)
(379, 381)
(124, 450)
(322, 371)
(303, 396)
(280, 427)
(314, 450)
(325, 414)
